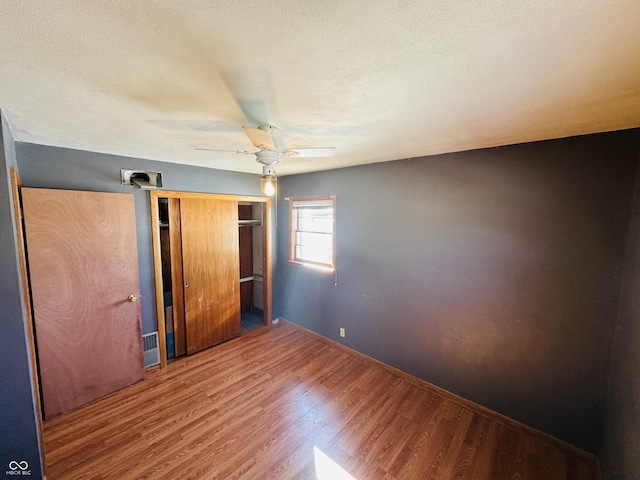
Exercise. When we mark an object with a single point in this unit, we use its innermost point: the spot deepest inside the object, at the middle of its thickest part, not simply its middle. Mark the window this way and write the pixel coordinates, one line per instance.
(312, 227)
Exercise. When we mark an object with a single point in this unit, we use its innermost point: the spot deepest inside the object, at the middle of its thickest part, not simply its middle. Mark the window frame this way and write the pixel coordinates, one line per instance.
(292, 260)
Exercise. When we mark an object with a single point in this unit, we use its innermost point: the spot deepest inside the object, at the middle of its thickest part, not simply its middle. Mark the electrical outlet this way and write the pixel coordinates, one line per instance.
(342, 332)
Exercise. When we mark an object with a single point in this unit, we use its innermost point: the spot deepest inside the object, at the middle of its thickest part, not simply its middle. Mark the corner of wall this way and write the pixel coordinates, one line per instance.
(19, 403)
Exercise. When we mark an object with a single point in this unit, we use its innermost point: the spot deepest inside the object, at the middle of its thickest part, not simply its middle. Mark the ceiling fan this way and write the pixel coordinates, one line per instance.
(268, 156)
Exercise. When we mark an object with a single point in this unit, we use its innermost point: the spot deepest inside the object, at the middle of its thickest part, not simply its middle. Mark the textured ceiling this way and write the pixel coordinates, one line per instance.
(377, 80)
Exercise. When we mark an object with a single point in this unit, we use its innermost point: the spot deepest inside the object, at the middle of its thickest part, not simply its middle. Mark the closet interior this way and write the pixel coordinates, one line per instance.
(214, 265)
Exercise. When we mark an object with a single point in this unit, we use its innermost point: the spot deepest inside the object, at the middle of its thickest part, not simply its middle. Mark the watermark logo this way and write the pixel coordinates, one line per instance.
(18, 468)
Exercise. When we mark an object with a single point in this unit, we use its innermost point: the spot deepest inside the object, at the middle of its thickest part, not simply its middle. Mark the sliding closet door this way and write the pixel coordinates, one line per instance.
(211, 271)
(83, 269)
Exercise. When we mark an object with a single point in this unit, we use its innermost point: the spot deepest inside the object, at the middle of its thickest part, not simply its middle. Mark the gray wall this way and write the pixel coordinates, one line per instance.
(494, 273)
(620, 454)
(19, 439)
(50, 167)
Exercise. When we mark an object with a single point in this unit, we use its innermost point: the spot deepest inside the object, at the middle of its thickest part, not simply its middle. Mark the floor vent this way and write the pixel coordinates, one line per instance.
(151, 350)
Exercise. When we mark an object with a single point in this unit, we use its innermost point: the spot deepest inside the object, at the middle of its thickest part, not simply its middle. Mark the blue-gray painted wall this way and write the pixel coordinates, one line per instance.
(19, 436)
(493, 273)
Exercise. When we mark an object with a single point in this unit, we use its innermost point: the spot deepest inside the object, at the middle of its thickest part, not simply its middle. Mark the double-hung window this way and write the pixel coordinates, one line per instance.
(312, 229)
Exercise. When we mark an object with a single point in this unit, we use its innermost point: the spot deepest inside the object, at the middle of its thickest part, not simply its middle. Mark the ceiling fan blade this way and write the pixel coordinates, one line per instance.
(260, 138)
(309, 152)
(245, 152)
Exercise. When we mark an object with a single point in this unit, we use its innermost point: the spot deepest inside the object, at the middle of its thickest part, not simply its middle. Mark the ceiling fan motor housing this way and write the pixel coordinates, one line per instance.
(268, 157)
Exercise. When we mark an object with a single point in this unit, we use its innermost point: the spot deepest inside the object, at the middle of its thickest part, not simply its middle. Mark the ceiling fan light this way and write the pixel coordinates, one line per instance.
(268, 185)
(268, 180)
(269, 189)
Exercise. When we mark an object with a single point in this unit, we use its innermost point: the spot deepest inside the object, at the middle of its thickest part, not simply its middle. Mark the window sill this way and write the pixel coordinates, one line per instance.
(312, 266)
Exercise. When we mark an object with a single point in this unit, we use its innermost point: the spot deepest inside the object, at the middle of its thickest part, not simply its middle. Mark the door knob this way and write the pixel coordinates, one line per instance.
(133, 298)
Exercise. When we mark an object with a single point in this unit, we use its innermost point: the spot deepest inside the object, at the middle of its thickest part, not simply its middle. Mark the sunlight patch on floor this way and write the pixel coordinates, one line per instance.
(327, 469)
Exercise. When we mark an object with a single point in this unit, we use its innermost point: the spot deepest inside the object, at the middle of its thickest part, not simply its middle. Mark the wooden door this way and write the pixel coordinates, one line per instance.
(211, 271)
(83, 266)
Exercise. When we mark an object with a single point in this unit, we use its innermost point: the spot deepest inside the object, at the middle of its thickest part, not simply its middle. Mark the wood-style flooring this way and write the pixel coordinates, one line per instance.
(281, 402)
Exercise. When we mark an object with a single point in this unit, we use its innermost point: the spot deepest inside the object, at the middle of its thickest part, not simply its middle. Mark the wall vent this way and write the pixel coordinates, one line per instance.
(151, 350)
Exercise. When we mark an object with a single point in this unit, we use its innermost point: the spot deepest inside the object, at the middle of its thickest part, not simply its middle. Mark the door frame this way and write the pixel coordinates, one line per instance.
(16, 188)
(154, 196)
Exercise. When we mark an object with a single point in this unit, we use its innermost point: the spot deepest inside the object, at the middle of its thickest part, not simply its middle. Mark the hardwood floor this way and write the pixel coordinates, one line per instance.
(260, 405)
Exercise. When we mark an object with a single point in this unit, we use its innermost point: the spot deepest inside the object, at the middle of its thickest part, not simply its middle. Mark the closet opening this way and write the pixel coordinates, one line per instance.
(212, 268)
(251, 266)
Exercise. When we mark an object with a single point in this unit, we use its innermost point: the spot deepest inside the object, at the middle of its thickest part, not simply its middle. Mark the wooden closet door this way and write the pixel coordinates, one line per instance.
(211, 271)
(83, 266)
